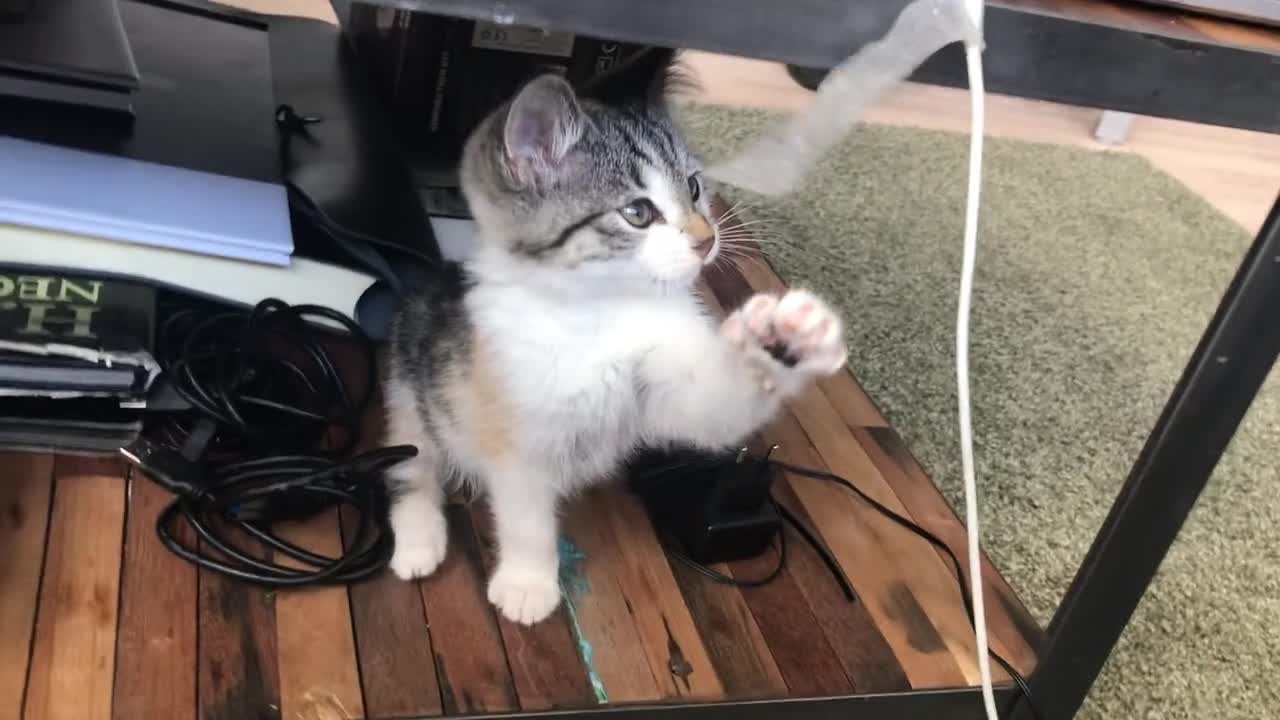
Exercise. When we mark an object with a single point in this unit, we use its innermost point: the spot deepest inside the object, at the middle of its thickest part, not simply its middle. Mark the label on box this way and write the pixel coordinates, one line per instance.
(522, 39)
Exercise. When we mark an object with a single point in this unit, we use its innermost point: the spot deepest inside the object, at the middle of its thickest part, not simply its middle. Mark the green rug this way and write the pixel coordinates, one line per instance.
(1096, 275)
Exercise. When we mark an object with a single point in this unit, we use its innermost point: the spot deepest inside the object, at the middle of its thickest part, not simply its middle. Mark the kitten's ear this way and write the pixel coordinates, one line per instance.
(646, 78)
(543, 124)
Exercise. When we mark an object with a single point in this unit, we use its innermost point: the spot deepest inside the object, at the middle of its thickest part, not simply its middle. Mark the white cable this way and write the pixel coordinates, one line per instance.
(973, 64)
(777, 161)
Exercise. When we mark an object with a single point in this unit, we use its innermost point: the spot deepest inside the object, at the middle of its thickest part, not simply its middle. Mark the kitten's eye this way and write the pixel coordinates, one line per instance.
(640, 213)
(695, 187)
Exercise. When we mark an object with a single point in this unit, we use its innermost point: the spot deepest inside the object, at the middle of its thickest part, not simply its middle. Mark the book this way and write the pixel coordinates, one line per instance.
(78, 426)
(61, 188)
(76, 360)
(65, 335)
(304, 281)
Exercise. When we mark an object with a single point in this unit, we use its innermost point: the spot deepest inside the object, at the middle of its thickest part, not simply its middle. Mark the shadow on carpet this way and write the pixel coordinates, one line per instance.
(1096, 274)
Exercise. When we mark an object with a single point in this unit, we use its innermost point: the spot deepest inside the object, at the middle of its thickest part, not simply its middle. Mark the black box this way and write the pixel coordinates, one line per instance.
(442, 75)
(716, 505)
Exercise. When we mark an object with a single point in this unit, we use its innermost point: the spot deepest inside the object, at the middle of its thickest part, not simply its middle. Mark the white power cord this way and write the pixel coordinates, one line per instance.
(776, 162)
(977, 93)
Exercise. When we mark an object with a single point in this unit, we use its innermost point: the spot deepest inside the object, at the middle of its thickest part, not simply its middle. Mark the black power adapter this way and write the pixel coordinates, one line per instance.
(716, 505)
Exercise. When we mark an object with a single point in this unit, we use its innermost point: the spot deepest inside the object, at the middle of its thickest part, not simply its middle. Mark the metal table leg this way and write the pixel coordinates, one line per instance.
(1228, 367)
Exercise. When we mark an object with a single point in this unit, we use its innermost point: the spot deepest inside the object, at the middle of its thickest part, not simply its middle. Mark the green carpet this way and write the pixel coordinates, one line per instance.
(1096, 274)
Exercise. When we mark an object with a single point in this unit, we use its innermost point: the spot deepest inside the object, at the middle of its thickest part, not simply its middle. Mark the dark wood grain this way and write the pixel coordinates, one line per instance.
(851, 632)
(73, 654)
(314, 640)
(393, 645)
(1159, 21)
(238, 673)
(601, 614)
(25, 497)
(795, 638)
(470, 658)
(157, 634)
(891, 569)
(547, 666)
(393, 640)
(738, 650)
(1014, 632)
(678, 658)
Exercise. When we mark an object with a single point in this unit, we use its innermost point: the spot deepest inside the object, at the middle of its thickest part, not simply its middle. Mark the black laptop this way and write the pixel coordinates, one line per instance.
(66, 51)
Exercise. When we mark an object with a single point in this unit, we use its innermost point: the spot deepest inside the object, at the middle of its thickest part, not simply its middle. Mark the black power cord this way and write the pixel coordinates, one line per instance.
(811, 537)
(272, 422)
(780, 545)
(932, 539)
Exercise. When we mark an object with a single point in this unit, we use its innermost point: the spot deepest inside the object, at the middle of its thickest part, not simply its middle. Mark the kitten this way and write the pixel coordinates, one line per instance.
(573, 336)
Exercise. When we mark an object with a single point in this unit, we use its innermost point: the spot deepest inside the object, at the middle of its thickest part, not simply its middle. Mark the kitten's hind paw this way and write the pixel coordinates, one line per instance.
(524, 595)
(799, 331)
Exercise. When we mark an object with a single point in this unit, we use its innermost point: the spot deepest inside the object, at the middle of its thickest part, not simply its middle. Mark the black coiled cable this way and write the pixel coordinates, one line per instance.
(267, 441)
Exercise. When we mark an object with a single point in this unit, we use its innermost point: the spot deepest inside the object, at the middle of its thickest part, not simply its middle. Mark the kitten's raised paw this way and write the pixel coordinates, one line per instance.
(798, 330)
(523, 595)
(420, 551)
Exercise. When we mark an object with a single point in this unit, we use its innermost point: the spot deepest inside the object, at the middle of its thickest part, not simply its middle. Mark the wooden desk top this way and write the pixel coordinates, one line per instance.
(1165, 21)
(1112, 54)
(101, 621)
(1097, 53)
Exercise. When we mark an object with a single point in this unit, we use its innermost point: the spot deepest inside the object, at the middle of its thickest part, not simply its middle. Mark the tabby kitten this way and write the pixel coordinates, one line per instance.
(573, 336)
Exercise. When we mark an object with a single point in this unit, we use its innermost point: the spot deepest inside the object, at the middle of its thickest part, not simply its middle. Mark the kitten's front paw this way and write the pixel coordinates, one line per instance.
(522, 594)
(798, 331)
(420, 547)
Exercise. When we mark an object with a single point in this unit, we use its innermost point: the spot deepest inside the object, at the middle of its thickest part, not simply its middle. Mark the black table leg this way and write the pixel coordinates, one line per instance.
(1231, 362)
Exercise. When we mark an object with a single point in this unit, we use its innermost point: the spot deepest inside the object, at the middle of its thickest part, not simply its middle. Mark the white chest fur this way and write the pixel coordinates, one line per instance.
(573, 370)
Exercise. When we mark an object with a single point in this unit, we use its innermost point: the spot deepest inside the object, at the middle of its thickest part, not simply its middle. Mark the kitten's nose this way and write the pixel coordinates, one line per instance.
(701, 235)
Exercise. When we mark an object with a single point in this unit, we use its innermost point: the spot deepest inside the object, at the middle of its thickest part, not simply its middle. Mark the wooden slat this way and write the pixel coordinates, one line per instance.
(898, 576)
(314, 641)
(922, 581)
(156, 647)
(1151, 19)
(470, 657)
(24, 520)
(546, 663)
(1014, 632)
(738, 650)
(73, 656)
(678, 658)
(602, 616)
(862, 651)
(393, 640)
(393, 644)
(238, 676)
(793, 634)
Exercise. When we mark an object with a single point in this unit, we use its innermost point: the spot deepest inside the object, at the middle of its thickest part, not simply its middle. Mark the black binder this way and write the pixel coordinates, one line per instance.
(73, 41)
